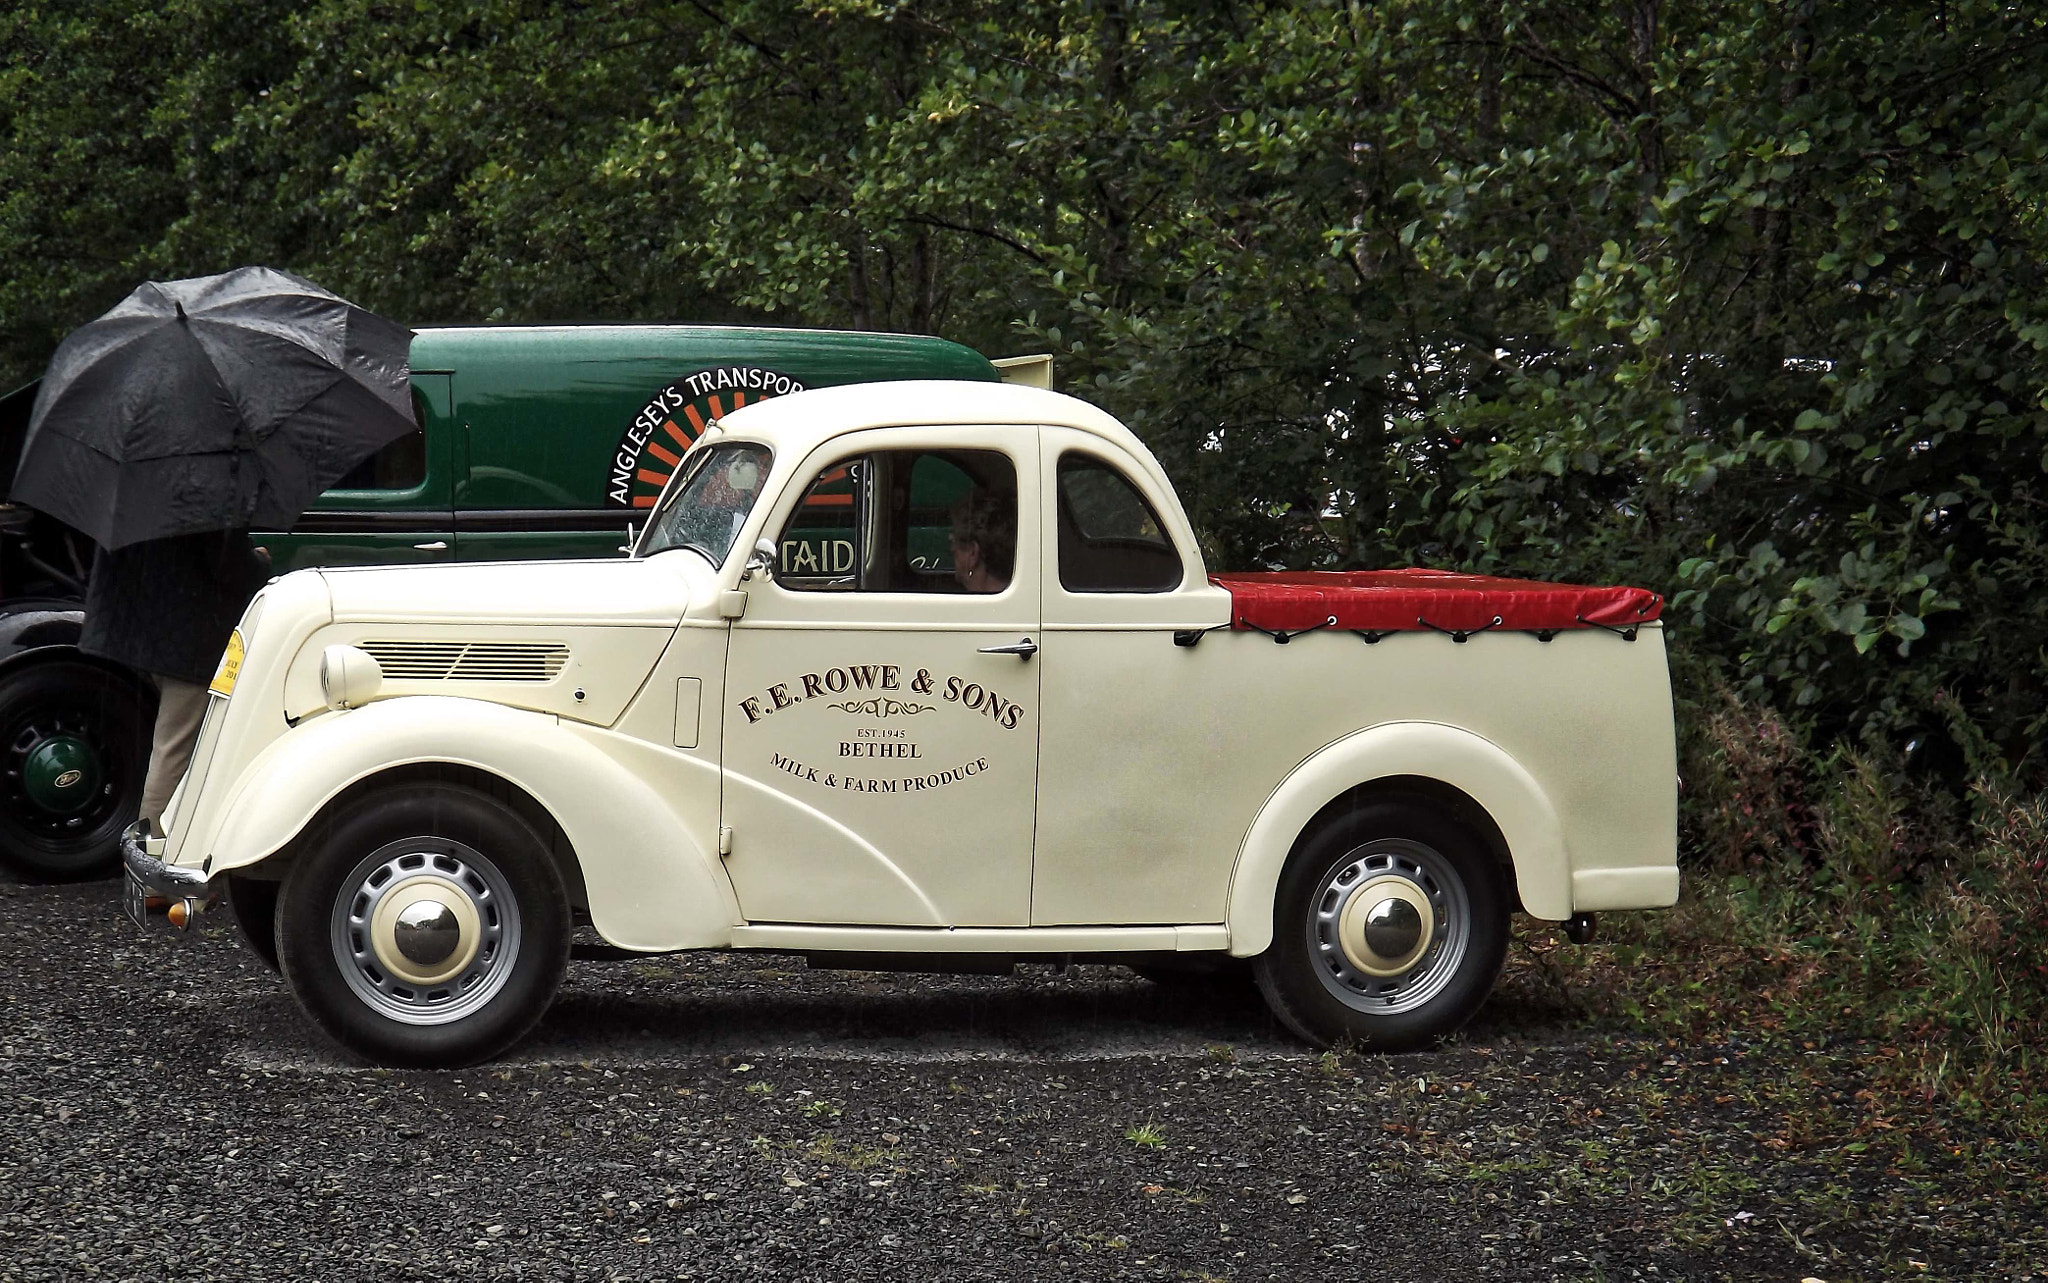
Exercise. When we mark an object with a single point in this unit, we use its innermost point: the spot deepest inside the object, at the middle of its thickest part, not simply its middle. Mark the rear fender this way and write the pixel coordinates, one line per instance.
(30, 626)
(42, 638)
(650, 886)
(1467, 762)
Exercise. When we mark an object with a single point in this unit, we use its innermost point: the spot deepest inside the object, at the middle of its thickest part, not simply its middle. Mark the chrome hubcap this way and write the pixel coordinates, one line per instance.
(425, 930)
(1389, 926)
(1393, 929)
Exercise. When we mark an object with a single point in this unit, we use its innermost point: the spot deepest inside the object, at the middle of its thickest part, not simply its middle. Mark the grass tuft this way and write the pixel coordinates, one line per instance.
(1145, 1135)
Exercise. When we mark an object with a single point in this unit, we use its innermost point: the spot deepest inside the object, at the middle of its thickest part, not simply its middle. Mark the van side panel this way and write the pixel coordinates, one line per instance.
(567, 433)
(405, 522)
(537, 442)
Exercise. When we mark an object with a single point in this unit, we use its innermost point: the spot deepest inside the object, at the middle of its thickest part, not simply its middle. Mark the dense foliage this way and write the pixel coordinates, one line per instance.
(1743, 300)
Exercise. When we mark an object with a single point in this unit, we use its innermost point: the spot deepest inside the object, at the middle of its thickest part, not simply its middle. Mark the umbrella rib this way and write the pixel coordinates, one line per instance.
(337, 376)
(220, 385)
(142, 331)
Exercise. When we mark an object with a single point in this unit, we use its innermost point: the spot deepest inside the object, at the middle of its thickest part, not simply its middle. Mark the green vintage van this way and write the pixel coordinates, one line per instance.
(532, 442)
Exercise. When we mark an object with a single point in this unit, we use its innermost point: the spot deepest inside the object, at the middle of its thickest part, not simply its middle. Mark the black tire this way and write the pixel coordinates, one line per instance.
(412, 835)
(253, 905)
(1320, 987)
(87, 707)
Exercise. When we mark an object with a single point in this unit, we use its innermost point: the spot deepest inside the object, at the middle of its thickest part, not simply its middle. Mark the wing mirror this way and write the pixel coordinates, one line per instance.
(761, 562)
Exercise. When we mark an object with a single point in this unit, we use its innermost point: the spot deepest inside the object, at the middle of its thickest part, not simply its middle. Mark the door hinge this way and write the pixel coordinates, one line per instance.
(732, 603)
(725, 841)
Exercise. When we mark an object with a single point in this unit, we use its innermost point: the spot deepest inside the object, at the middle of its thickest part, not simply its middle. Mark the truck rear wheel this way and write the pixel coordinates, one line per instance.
(428, 927)
(74, 744)
(1389, 929)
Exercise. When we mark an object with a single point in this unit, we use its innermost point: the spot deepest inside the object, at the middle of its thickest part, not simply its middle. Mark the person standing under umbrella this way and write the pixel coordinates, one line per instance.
(166, 607)
(189, 414)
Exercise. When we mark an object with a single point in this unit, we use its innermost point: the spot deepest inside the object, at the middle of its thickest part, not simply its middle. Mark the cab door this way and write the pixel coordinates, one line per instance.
(880, 719)
(1143, 774)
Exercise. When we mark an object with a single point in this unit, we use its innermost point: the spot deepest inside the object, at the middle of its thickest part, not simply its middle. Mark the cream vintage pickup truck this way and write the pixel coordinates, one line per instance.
(917, 675)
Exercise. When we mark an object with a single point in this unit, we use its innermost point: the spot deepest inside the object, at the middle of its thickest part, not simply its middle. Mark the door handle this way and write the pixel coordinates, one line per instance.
(439, 545)
(1023, 650)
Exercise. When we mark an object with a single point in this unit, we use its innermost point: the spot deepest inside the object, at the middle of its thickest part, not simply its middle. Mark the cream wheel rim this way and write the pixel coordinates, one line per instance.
(1389, 926)
(425, 930)
(1386, 925)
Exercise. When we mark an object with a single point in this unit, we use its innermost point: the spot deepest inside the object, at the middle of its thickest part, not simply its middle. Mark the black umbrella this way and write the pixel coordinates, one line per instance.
(215, 403)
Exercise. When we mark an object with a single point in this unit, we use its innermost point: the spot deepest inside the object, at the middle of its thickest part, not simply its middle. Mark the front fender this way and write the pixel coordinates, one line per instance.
(1467, 762)
(650, 886)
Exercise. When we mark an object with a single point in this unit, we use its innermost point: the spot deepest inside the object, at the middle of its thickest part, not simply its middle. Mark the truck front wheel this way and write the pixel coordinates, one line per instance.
(427, 927)
(253, 906)
(1389, 929)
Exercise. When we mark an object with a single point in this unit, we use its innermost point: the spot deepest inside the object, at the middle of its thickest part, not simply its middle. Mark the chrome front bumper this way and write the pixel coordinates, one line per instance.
(169, 881)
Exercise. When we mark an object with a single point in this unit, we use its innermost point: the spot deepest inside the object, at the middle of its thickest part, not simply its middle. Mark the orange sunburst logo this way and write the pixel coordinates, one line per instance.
(674, 418)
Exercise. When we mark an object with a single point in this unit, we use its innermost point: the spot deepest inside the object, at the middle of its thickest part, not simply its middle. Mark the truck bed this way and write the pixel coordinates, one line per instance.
(1386, 601)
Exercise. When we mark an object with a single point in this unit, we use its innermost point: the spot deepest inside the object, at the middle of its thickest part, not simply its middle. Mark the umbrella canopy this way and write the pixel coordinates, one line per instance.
(214, 403)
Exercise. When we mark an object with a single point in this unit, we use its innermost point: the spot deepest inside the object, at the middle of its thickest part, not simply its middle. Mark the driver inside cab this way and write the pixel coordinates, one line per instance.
(984, 542)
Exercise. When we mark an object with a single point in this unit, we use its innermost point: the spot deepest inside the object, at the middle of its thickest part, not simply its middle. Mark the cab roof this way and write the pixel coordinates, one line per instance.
(796, 424)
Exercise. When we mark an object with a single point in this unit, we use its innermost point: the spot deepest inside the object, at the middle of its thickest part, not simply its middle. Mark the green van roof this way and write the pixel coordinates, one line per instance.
(836, 356)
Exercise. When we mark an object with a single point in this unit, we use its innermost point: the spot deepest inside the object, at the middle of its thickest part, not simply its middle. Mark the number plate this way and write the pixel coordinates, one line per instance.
(134, 898)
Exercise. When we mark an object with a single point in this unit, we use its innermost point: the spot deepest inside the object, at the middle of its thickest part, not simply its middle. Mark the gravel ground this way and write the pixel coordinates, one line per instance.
(172, 1116)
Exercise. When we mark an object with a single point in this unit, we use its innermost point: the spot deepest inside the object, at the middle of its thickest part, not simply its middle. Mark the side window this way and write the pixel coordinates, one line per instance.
(1110, 538)
(401, 465)
(905, 521)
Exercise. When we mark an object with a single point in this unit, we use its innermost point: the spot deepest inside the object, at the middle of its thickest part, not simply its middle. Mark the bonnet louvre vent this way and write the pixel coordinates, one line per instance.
(460, 661)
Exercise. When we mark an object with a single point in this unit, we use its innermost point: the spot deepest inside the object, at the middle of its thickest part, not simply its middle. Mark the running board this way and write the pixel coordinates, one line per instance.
(787, 938)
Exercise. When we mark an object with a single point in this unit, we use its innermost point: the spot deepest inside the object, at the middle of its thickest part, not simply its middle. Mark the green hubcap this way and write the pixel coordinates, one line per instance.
(62, 774)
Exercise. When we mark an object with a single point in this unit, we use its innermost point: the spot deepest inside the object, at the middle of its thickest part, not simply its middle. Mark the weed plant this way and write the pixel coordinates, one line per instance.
(1843, 896)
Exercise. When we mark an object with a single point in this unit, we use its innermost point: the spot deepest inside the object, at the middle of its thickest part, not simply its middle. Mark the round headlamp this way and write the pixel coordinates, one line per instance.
(349, 676)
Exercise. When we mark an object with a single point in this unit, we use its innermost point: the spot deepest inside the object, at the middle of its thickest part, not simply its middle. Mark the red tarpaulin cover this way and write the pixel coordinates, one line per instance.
(1406, 600)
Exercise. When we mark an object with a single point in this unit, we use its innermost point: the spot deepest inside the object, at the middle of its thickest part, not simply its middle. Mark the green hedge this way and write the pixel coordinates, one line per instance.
(1741, 301)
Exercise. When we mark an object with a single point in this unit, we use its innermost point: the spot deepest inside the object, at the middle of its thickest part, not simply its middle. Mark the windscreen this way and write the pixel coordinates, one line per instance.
(705, 510)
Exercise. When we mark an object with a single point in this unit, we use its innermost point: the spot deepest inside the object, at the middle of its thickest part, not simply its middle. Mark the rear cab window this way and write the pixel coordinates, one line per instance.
(1110, 538)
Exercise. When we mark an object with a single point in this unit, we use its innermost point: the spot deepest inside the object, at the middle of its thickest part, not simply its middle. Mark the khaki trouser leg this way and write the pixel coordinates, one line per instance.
(181, 706)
